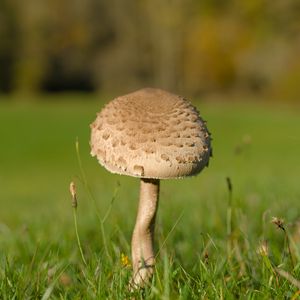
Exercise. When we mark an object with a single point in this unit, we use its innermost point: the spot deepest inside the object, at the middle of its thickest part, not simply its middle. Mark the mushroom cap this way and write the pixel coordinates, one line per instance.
(151, 133)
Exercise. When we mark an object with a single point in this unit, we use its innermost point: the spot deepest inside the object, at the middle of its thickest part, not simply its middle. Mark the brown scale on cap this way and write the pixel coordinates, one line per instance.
(155, 133)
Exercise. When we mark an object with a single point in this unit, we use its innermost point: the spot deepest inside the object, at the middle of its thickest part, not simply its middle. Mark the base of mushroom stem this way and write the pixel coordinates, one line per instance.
(143, 258)
(142, 277)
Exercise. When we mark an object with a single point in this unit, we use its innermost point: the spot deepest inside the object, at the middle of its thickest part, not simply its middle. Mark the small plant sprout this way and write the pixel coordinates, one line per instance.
(150, 134)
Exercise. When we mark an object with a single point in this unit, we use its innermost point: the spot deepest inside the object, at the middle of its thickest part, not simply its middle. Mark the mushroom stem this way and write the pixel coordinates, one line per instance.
(143, 259)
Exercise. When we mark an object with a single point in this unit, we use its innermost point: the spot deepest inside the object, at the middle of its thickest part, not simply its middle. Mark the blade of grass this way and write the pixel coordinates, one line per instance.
(168, 235)
(288, 277)
(50, 288)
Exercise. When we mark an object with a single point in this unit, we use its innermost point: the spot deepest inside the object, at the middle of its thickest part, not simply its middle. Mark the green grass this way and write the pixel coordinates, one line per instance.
(207, 248)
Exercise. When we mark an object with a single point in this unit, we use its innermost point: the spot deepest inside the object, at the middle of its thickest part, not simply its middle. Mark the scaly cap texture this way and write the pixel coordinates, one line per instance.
(151, 133)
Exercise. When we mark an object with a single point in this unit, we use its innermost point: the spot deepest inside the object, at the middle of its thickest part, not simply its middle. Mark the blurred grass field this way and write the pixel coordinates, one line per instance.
(257, 145)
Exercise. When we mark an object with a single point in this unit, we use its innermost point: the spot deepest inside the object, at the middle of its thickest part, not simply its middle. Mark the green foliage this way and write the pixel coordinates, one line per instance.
(210, 244)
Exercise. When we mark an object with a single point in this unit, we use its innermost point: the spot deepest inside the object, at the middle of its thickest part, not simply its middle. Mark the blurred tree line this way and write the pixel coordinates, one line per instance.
(190, 46)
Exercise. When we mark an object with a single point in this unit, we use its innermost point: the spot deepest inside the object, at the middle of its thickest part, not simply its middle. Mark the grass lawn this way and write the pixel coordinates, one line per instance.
(207, 246)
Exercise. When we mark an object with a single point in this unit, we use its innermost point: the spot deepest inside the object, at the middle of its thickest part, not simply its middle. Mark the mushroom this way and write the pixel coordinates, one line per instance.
(150, 134)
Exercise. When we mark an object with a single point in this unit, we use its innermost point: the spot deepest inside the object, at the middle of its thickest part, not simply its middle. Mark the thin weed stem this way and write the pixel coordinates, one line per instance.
(116, 191)
(229, 220)
(74, 206)
(280, 225)
(102, 221)
(84, 180)
(168, 235)
(77, 235)
(93, 200)
(267, 265)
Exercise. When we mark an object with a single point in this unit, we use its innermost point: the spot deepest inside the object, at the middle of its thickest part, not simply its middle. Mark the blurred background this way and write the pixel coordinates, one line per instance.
(196, 48)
